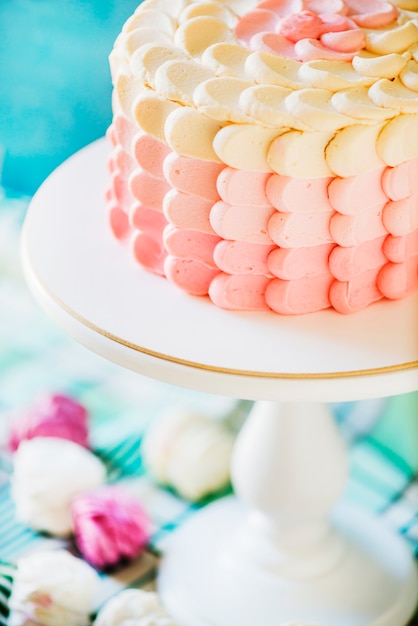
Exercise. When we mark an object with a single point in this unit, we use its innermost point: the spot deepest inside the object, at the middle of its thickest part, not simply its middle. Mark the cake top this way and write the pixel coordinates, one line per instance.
(336, 80)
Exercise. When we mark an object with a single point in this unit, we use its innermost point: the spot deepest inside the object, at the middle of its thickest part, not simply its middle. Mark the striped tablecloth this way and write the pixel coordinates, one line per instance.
(36, 358)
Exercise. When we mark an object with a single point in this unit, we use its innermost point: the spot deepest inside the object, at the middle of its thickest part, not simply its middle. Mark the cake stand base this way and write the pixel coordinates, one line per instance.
(204, 582)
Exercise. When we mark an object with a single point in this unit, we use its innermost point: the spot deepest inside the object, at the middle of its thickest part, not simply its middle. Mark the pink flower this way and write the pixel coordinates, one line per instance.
(52, 416)
(109, 525)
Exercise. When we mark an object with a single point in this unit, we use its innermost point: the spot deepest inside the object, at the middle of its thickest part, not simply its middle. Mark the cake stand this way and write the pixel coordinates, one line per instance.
(285, 548)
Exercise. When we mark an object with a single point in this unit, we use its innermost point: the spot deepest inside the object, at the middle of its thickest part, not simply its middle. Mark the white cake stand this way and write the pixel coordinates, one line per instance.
(281, 550)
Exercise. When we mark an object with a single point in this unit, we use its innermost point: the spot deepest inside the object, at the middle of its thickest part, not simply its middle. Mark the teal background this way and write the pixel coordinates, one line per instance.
(55, 98)
(54, 82)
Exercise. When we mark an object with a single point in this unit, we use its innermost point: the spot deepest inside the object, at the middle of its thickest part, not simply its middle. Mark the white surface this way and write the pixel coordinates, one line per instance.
(92, 288)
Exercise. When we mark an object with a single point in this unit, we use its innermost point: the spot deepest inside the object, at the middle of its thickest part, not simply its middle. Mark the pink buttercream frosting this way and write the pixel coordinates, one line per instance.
(395, 280)
(313, 29)
(295, 263)
(240, 257)
(186, 244)
(356, 294)
(110, 525)
(187, 211)
(371, 13)
(300, 26)
(190, 275)
(346, 263)
(52, 416)
(290, 297)
(237, 291)
(399, 249)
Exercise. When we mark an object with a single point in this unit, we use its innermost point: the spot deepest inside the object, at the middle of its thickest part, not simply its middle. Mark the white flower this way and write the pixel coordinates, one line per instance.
(189, 452)
(48, 473)
(52, 588)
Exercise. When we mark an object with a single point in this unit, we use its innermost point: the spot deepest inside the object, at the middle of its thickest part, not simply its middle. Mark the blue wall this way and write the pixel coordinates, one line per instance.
(54, 81)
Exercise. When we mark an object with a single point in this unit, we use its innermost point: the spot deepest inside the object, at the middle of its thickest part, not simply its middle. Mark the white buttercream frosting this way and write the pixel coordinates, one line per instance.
(191, 133)
(392, 94)
(379, 66)
(151, 18)
(226, 59)
(219, 98)
(151, 112)
(315, 109)
(357, 65)
(397, 39)
(332, 75)
(198, 33)
(267, 68)
(353, 150)
(146, 60)
(356, 103)
(300, 154)
(47, 474)
(53, 588)
(133, 607)
(266, 105)
(409, 75)
(244, 146)
(398, 140)
(177, 80)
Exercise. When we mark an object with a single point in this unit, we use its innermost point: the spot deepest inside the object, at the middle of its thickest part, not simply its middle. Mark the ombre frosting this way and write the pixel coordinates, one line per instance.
(265, 154)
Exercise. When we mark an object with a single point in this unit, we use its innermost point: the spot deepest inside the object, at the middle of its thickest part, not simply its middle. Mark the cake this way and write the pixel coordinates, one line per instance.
(266, 154)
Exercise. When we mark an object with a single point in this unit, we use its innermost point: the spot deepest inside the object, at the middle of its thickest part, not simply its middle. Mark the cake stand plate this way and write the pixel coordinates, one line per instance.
(270, 554)
(92, 288)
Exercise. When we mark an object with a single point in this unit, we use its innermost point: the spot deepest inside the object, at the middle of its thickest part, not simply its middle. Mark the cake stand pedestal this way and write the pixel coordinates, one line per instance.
(283, 548)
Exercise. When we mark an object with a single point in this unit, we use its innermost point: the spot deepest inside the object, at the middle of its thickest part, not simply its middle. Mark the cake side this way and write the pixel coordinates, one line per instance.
(267, 155)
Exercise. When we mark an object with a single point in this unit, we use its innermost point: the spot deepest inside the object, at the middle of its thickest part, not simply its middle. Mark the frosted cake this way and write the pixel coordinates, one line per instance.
(266, 155)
